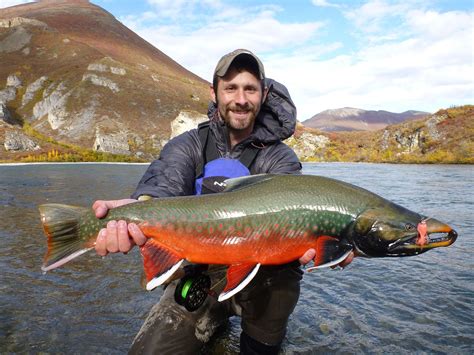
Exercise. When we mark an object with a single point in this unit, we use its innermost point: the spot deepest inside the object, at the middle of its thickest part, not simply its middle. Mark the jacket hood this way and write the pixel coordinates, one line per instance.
(276, 120)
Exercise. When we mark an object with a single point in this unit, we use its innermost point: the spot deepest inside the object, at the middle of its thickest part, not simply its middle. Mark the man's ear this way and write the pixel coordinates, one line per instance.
(213, 94)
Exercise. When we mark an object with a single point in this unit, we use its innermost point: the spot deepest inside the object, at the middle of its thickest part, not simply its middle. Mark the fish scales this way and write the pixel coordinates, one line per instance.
(254, 209)
(263, 219)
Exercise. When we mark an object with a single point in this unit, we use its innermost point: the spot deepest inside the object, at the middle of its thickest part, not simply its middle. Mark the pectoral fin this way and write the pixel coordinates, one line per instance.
(159, 263)
(330, 252)
(238, 276)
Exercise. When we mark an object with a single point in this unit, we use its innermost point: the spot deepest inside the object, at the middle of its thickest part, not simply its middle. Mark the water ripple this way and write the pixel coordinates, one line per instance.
(417, 305)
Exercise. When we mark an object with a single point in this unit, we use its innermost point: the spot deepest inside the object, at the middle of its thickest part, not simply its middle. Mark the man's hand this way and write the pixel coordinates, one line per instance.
(118, 236)
(307, 257)
(311, 253)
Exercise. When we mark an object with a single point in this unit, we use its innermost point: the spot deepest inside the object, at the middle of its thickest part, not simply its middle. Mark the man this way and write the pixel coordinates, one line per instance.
(249, 117)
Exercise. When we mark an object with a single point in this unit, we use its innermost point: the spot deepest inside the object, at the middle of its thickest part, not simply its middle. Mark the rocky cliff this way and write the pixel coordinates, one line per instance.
(444, 137)
(72, 77)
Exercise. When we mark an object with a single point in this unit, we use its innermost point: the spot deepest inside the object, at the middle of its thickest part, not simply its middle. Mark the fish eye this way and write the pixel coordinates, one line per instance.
(409, 227)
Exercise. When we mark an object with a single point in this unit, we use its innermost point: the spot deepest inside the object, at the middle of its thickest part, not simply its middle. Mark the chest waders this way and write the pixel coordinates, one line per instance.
(194, 287)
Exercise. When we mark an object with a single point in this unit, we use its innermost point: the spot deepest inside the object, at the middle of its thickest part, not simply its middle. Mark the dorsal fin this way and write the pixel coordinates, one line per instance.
(239, 183)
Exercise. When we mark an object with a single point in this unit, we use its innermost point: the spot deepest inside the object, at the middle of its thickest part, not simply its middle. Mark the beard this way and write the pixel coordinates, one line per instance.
(239, 118)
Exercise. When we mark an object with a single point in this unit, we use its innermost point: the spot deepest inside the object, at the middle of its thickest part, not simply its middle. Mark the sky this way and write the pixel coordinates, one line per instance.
(393, 55)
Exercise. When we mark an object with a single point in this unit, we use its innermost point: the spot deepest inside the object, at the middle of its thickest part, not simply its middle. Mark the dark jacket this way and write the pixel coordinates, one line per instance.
(173, 174)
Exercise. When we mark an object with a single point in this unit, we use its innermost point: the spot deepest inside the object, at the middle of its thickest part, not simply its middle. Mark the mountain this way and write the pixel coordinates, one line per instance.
(74, 79)
(355, 119)
(446, 136)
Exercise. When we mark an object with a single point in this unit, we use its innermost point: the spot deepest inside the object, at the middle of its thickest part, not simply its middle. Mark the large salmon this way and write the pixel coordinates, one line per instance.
(261, 219)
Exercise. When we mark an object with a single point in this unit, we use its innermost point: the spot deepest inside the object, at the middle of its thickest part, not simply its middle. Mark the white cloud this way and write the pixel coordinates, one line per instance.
(426, 63)
(183, 8)
(406, 55)
(8, 3)
(259, 32)
(324, 3)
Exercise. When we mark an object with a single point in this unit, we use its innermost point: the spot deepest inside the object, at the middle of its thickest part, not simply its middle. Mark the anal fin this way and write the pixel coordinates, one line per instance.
(329, 252)
(159, 263)
(238, 276)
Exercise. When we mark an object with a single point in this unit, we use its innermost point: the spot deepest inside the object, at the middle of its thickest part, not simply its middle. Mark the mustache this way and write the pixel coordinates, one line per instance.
(241, 108)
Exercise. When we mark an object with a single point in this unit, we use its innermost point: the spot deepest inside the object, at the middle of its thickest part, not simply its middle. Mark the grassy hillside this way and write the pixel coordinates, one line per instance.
(447, 137)
(444, 137)
(74, 74)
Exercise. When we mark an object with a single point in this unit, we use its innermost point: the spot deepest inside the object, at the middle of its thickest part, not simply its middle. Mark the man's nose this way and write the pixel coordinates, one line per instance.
(241, 98)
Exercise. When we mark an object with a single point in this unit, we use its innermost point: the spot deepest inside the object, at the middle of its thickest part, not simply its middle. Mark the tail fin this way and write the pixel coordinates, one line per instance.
(61, 226)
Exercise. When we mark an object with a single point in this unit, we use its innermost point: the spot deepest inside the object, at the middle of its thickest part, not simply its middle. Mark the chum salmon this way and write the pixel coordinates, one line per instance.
(256, 220)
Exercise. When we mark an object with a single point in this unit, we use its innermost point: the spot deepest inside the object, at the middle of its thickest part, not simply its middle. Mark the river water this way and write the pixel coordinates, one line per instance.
(422, 304)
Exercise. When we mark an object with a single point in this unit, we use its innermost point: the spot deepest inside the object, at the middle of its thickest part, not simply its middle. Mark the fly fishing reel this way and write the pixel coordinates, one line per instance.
(192, 290)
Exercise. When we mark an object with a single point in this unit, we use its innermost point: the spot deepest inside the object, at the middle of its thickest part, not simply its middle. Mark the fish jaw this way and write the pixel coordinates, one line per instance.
(391, 231)
(431, 234)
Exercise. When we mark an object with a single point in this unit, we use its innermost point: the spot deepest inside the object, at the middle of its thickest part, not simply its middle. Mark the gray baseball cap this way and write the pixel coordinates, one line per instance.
(225, 62)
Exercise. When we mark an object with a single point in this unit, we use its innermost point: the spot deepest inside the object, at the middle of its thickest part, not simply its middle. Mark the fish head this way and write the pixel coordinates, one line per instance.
(396, 231)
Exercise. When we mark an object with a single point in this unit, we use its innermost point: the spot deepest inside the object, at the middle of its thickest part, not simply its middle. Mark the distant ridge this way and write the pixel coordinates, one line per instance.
(356, 119)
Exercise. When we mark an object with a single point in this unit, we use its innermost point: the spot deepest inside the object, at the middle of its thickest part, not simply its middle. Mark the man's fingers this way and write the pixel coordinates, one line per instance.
(307, 257)
(100, 243)
(100, 208)
(112, 239)
(137, 235)
(347, 260)
(124, 242)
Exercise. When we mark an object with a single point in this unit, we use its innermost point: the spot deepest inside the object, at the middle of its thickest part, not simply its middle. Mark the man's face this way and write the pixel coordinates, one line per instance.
(239, 97)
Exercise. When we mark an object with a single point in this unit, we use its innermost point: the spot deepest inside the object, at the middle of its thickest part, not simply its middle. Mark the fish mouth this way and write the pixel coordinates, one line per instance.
(437, 235)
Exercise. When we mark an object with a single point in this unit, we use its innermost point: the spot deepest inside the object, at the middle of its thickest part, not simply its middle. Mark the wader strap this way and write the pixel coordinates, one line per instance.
(210, 153)
(203, 131)
(248, 155)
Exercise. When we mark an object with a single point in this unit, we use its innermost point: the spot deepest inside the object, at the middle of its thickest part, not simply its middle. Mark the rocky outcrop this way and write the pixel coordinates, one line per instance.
(103, 68)
(32, 89)
(405, 141)
(101, 81)
(414, 140)
(17, 141)
(185, 121)
(432, 123)
(15, 41)
(98, 67)
(9, 93)
(307, 144)
(19, 21)
(116, 143)
(118, 71)
(5, 114)
(409, 142)
(52, 98)
(13, 81)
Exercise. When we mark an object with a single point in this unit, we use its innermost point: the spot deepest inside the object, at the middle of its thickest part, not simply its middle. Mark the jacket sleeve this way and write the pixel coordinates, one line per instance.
(277, 159)
(173, 173)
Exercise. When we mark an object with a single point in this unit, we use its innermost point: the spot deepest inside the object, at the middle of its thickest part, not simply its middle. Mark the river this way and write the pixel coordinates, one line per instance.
(422, 304)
